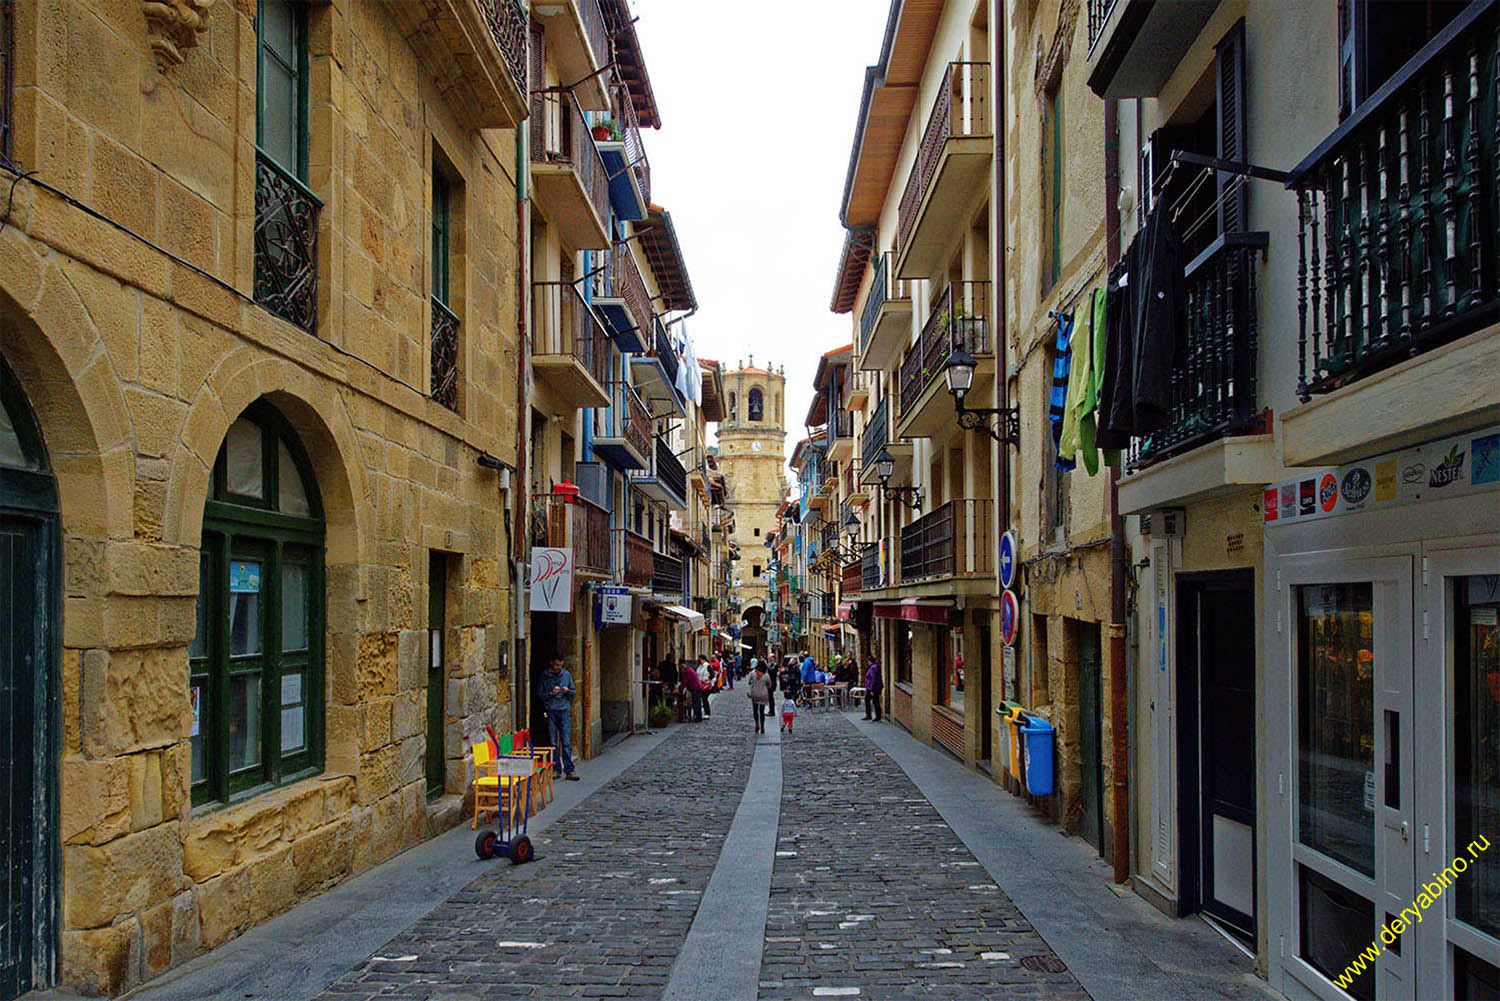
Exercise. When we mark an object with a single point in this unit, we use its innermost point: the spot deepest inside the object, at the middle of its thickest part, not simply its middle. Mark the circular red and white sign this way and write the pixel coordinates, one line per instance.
(1010, 617)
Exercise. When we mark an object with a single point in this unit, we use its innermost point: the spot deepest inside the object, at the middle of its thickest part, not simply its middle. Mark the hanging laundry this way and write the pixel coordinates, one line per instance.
(1160, 320)
(1061, 358)
(1116, 413)
(1080, 386)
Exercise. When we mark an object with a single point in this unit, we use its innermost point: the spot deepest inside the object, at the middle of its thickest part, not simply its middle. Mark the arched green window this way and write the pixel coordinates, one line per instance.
(257, 655)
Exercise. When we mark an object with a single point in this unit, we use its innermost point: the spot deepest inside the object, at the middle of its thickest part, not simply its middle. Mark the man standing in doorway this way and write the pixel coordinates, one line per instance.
(556, 690)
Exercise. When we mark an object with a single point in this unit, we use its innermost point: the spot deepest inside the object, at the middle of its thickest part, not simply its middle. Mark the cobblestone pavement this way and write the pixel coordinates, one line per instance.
(872, 890)
(604, 910)
(871, 895)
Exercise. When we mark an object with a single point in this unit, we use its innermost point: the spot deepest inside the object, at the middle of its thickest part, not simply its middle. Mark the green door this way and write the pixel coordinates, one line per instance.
(437, 624)
(1091, 820)
(28, 752)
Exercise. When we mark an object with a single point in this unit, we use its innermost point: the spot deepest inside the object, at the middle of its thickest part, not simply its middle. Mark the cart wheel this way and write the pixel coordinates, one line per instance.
(521, 850)
(486, 844)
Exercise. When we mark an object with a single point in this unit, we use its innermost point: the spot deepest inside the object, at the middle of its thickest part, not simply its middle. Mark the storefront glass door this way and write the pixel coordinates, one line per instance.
(1353, 812)
(1458, 870)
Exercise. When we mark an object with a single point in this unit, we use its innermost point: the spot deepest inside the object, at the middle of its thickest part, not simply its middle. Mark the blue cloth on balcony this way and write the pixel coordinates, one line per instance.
(1061, 364)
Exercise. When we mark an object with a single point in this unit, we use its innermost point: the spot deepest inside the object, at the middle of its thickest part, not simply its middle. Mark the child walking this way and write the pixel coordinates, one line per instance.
(788, 713)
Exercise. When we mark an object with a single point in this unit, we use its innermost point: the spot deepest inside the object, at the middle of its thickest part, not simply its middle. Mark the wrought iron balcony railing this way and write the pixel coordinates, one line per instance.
(662, 349)
(286, 244)
(629, 125)
(1398, 213)
(870, 570)
(877, 429)
(565, 324)
(962, 109)
(509, 26)
(637, 419)
(634, 558)
(851, 578)
(583, 526)
(953, 540)
(444, 350)
(666, 574)
(960, 316)
(1099, 11)
(669, 469)
(1214, 386)
(884, 287)
(559, 135)
(617, 277)
(840, 425)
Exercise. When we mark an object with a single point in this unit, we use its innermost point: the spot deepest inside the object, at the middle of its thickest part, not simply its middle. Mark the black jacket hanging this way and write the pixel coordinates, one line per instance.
(1116, 414)
(1160, 320)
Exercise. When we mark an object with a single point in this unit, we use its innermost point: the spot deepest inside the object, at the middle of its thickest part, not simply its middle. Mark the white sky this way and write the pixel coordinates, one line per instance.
(758, 103)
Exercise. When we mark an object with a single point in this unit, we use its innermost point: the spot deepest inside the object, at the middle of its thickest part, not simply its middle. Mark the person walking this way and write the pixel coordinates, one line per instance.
(788, 714)
(556, 690)
(762, 689)
(873, 685)
(694, 687)
(706, 679)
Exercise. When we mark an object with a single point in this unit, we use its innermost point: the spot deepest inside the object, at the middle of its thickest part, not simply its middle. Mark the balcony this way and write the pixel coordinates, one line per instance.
(885, 322)
(624, 436)
(875, 569)
(877, 438)
(953, 541)
(578, 43)
(582, 526)
(444, 355)
(635, 562)
(664, 479)
(1399, 288)
(1213, 389)
(960, 316)
(655, 374)
(851, 579)
(951, 169)
(620, 296)
(666, 576)
(571, 351)
(286, 244)
(475, 50)
(1135, 45)
(624, 155)
(839, 435)
(569, 182)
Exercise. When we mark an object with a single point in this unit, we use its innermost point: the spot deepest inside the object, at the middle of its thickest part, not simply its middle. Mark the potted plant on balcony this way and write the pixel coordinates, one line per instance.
(605, 130)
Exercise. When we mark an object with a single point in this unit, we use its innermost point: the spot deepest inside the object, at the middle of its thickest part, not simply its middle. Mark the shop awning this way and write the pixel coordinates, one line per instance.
(693, 620)
(933, 613)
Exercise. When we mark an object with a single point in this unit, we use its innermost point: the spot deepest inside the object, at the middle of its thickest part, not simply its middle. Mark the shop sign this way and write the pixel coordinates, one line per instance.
(1010, 617)
(614, 606)
(551, 579)
(1008, 560)
(1450, 467)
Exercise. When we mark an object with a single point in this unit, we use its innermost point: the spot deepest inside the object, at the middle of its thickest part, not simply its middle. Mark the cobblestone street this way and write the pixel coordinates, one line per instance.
(606, 910)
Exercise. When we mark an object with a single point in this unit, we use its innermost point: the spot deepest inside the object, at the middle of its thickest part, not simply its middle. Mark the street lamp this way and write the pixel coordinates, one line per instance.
(885, 467)
(959, 374)
(851, 526)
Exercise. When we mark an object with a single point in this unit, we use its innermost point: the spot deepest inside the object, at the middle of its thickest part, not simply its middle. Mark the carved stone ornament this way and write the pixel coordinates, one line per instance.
(173, 27)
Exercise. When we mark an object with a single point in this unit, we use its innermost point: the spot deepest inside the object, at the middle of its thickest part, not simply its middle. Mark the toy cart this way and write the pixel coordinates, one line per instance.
(511, 840)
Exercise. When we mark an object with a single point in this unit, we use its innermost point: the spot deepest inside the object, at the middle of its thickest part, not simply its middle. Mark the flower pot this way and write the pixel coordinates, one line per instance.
(601, 133)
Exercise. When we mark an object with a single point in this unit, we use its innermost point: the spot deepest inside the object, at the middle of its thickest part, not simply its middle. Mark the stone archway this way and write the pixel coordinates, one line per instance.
(316, 412)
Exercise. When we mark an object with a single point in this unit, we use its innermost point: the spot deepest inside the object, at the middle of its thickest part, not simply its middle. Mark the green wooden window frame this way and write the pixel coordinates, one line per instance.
(285, 57)
(442, 201)
(256, 686)
(1055, 187)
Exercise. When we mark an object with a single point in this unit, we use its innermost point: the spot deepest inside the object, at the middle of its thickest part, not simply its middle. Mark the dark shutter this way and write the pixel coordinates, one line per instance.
(538, 52)
(1233, 207)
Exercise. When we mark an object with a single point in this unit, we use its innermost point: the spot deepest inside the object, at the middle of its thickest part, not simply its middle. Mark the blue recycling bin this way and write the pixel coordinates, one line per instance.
(1037, 738)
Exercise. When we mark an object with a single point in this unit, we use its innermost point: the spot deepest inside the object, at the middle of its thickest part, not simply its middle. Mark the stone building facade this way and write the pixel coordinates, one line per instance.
(258, 322)
(752, 454)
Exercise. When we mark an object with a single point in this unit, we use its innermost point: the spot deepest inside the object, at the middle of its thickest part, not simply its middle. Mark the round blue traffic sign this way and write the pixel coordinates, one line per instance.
(1007, 559)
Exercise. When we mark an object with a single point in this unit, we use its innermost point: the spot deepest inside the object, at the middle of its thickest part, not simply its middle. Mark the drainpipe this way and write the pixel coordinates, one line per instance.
(520, 694)
(1119, 688)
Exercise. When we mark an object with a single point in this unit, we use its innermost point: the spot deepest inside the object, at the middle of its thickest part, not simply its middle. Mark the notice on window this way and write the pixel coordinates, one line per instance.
(291, 689)
(291, 729)
(244, 577)
(1369, 792)
(196, 694)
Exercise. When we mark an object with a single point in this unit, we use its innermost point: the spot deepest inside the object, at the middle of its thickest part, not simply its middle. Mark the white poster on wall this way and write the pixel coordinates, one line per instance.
(614, 607)
(551, 579)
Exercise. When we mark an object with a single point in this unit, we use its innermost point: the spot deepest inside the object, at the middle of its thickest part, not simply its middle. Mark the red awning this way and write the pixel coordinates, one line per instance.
(933, 613)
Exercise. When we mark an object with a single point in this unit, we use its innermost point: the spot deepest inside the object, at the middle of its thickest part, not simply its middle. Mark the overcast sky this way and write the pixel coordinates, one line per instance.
(758, 103)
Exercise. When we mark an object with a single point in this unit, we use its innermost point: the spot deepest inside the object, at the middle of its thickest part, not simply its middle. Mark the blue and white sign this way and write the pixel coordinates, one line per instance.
(1007, 560)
